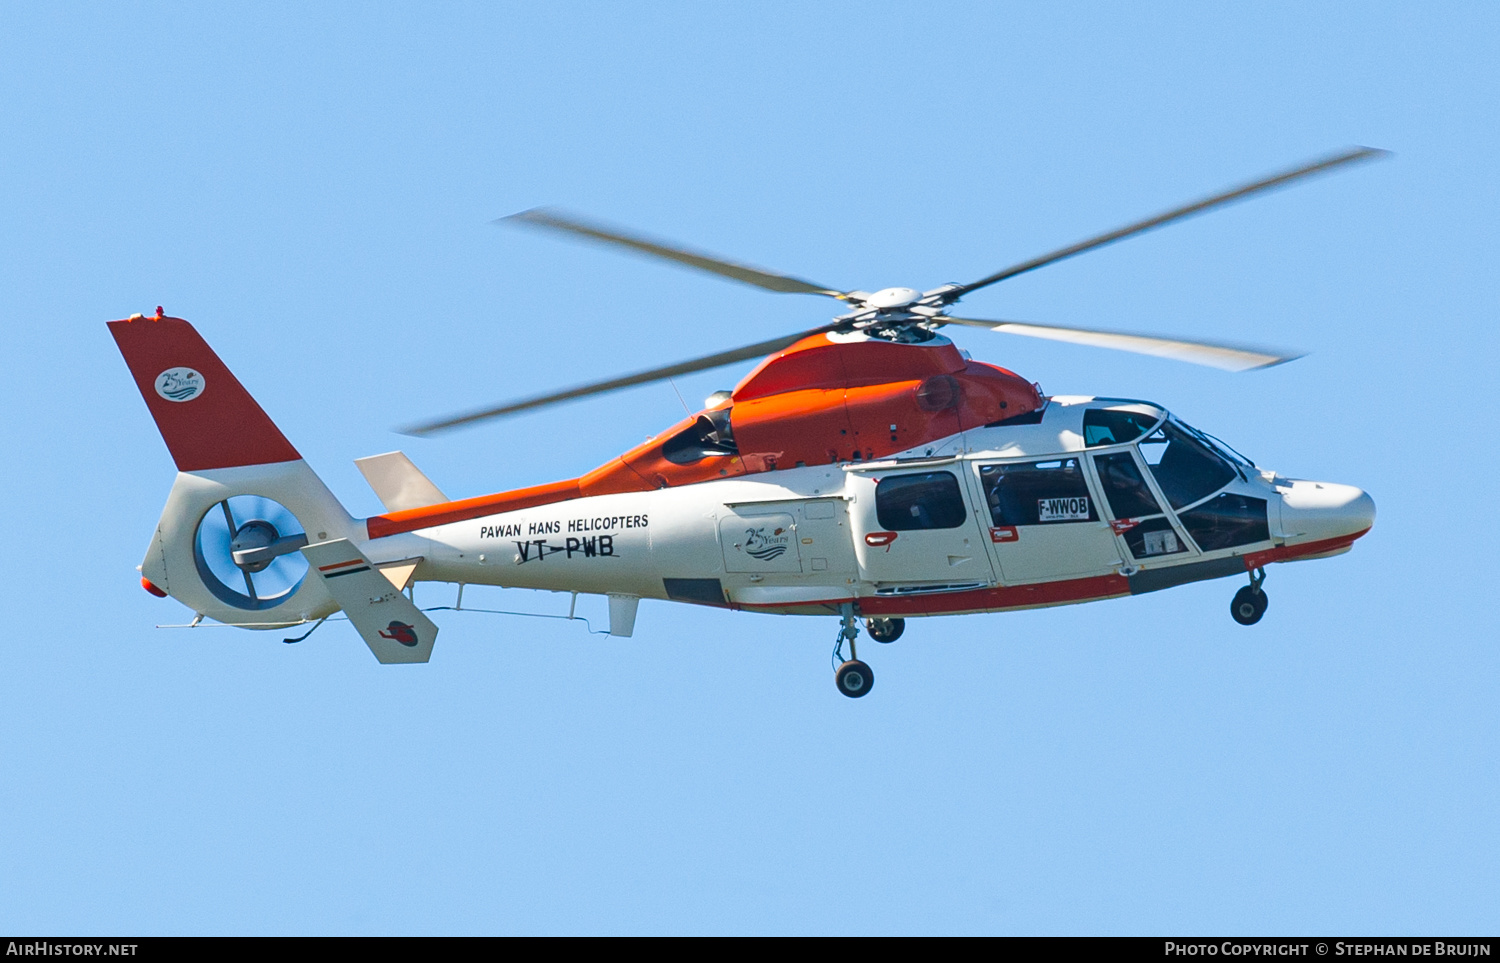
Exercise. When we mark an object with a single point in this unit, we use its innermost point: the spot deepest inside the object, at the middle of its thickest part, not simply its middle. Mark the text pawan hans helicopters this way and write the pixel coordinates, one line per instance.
(865, 469)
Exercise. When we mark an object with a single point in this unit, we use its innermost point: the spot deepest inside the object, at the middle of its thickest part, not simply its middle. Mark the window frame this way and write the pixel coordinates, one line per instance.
(1165, 510)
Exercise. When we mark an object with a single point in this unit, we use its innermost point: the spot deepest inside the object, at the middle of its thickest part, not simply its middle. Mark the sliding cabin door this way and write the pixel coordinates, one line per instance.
(915, 530)
(1045, 522)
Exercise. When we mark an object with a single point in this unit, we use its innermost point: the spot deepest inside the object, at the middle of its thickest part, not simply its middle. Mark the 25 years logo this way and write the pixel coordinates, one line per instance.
(179, 384)
(766, 547)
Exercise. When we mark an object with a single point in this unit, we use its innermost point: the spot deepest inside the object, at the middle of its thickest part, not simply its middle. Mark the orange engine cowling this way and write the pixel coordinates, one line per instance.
(825, 400)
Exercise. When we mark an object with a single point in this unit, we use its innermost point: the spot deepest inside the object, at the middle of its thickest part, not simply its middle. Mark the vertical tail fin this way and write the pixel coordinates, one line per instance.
(243, 502)
(205, 416)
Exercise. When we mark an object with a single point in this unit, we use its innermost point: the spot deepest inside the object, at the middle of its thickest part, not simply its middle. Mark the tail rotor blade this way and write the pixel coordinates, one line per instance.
(1214, 354)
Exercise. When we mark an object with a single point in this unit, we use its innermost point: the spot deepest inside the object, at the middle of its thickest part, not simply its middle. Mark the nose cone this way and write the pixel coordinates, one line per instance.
(1313, 511)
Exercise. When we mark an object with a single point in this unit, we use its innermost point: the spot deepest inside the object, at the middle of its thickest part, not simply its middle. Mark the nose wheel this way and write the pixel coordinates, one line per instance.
(1249, 603)
(885, 630)
(852, 677)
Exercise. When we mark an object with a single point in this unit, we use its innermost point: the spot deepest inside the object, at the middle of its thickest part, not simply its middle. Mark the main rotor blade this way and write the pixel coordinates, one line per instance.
(1214, 354)
(614, 384)
(554, 220)
(1197, 207)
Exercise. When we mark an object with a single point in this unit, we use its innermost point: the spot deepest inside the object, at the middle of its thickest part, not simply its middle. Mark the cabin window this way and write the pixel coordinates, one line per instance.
(905, 503)
(1154, 537)
(1124, 487)
(1037, 493)
(1227, 521)
(1186, 469)
(1105, 426)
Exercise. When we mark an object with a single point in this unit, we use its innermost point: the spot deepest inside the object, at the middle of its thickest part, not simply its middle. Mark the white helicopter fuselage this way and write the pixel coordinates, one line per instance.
(995, 518)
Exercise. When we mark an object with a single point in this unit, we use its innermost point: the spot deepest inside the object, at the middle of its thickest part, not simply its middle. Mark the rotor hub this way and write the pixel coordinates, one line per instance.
(888, 299)
(256, 533)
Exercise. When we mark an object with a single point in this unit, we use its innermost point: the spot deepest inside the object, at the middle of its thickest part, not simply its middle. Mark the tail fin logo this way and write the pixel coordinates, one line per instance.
(401, 632)
(179, 384)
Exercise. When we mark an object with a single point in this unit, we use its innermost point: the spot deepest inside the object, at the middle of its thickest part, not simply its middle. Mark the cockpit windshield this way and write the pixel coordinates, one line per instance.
(1221, 446)
(1186, 465)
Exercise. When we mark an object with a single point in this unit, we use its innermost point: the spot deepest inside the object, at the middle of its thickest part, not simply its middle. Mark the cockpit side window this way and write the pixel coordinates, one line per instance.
(1037, 493)
(1106, 426)
(1227, 521)
(1128, 494)
(1186, 469)
(905, 503)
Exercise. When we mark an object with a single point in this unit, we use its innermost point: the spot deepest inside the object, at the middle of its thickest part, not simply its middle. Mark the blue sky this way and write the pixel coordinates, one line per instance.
(312, 189)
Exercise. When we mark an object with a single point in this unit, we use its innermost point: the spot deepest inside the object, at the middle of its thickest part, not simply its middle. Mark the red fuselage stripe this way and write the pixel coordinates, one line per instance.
(1045, 593)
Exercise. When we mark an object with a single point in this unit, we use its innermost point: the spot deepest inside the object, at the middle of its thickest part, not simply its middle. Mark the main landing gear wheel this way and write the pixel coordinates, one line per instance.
(885, 630)
(854, 678)
(1250, 602)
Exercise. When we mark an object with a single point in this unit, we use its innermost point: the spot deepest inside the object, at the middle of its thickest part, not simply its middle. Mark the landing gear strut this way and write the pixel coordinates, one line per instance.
(885, 630)
(1250, 602)
(852, 677)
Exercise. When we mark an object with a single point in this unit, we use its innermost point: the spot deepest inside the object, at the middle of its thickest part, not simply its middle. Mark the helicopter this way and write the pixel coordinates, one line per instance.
(866, 469)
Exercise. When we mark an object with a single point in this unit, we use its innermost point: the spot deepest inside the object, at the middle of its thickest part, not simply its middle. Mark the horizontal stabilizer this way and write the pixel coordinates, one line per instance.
(393, 628)
(399, 483)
